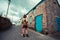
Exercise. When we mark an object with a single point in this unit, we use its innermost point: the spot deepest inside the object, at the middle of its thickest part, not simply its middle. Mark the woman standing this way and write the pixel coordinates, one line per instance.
(25, 26)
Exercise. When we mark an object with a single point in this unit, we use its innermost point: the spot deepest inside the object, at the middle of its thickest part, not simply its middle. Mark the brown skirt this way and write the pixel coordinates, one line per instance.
(24, 26)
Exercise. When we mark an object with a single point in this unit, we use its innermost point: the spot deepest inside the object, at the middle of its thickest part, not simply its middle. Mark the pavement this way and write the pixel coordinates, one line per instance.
(14, 33)
(55, 35)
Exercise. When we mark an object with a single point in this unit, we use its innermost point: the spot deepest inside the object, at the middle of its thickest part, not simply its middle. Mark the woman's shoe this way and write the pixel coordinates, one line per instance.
(27, 35)
(23, 35)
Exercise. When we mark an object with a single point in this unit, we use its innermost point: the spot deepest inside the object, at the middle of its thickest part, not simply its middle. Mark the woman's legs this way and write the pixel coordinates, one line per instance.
(27, 32)
(23, 32)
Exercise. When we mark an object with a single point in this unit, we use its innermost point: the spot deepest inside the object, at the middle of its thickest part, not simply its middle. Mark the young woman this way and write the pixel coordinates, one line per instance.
(24, 26)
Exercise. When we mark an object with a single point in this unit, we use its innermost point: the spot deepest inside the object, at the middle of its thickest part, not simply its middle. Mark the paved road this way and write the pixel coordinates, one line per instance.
(14, 33)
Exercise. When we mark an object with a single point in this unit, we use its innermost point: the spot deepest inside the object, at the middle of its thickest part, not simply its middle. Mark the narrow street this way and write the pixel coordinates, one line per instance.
(40, 15)
(14, 33)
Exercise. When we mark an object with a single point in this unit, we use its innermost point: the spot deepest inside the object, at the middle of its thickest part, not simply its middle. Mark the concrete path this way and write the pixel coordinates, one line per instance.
(14, 33)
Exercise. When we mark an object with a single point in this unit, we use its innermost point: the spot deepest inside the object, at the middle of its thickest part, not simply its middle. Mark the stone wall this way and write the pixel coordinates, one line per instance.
(50, 10)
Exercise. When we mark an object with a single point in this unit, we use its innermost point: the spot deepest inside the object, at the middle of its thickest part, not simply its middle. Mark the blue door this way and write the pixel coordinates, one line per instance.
(58, 23)
(39, 23)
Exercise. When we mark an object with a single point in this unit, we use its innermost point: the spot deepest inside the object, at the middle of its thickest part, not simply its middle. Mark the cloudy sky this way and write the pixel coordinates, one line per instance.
(59, 1)
(17, 7)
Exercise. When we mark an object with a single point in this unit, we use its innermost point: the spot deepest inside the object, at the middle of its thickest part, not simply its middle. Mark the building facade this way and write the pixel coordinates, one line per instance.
(49, 9)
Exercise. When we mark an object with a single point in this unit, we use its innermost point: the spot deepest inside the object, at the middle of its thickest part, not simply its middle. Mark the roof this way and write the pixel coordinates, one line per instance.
(35, 6)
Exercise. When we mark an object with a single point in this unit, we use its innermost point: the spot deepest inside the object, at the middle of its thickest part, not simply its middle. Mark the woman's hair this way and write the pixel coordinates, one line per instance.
(24, 16)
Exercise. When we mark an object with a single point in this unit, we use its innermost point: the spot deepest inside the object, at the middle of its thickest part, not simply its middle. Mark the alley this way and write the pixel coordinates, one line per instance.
(14, 33)
(40, 15)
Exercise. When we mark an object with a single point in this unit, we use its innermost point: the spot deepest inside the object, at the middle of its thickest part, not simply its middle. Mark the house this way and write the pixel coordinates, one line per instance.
(42, 17)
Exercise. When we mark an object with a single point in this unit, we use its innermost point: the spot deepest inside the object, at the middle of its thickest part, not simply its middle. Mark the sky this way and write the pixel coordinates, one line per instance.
(59, 1)
(17, 8)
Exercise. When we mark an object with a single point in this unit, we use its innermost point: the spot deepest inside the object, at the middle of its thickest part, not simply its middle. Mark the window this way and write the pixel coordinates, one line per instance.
(31, 19)
(35, 11)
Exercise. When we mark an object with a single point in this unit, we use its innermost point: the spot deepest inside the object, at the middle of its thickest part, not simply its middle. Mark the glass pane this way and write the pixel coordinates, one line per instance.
(35, 11)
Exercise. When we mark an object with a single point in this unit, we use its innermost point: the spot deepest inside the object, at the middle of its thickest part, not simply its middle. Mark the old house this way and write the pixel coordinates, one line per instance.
(42, 17)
